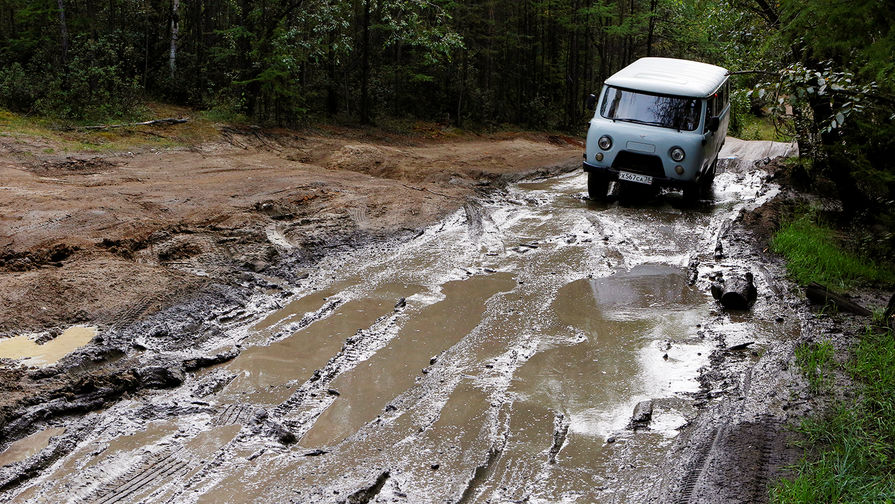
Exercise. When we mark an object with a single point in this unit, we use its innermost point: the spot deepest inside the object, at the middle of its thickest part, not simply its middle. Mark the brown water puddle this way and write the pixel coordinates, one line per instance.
(457, 442)
(263, 371)
(628, 320)
(305, 304)
(23, 347)
(29, 446)
(367, 388)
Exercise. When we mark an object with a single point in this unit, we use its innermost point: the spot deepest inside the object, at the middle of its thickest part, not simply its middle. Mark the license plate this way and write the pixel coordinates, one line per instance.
(635, 177)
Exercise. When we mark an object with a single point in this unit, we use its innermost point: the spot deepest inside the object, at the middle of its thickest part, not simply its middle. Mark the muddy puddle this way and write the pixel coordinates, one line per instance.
(24, 348)
(496, 357)
(31, 445)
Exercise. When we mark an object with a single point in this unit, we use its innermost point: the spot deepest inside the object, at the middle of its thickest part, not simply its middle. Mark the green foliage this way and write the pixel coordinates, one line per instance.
(851, 451)
(815, 360)
(813, 254)
(835, 88)
(752, 127)
(93, 86)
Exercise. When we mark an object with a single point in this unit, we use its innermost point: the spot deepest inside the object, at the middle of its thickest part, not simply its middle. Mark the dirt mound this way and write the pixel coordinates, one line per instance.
(31, 259)
(74, 166)
(368, 159)
(105, 238)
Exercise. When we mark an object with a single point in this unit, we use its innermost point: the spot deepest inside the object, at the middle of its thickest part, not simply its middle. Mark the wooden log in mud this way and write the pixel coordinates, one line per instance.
(738, 293)
(819, 294)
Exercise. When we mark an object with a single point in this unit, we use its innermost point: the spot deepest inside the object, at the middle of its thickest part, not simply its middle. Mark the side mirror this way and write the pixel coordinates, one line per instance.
(591, 101)
(714, 123)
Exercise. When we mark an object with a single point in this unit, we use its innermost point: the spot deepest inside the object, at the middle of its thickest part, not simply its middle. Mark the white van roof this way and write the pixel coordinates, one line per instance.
(670, 76)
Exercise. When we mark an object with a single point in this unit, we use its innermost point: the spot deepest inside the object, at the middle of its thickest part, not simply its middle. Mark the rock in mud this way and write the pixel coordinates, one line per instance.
(160, 377)
(643, 413)
(203, 362)
(283, 435)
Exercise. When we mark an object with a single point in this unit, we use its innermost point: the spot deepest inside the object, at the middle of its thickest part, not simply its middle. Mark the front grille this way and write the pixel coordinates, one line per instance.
(644, 164)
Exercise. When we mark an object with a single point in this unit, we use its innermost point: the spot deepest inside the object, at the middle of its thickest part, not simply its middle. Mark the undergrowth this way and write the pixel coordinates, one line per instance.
(850, 452)
(813, 254)
(64, 136)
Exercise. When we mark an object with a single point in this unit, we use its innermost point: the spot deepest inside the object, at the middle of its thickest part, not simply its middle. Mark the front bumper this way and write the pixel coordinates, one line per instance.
(612, 174)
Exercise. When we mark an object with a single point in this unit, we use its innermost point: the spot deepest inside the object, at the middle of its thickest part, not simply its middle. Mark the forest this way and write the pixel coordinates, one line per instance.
(822, 69)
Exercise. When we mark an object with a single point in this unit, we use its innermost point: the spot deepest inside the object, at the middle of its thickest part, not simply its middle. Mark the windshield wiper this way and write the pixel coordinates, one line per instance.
(638, 121)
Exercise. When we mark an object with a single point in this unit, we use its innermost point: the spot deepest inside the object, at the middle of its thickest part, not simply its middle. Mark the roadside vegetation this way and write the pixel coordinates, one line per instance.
(64, 138)
(814, 254)
(850, 451)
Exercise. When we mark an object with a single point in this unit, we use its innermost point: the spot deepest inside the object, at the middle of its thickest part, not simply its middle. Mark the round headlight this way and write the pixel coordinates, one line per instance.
(677, 154)
(605, 142)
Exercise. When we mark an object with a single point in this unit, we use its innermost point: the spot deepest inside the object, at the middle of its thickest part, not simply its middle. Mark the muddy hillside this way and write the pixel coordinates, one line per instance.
(279, 318)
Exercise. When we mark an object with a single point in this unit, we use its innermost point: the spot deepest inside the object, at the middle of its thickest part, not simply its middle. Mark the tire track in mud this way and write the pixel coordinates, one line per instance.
(233, 414)
(310, 400)
(693, 474)
(766, 448)
(151, 474)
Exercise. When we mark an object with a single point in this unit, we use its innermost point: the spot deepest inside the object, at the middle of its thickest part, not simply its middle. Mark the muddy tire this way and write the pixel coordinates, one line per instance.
(597, 185)
(701, 190)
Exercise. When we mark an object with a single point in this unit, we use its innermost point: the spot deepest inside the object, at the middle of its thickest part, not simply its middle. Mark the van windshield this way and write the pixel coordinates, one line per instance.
(674, 112)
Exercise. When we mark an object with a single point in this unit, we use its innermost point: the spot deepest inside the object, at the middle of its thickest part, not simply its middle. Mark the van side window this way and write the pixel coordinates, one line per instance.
(711, 109)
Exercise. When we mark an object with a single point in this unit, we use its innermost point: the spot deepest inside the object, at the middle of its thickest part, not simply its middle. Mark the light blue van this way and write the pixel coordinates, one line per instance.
(660, 122)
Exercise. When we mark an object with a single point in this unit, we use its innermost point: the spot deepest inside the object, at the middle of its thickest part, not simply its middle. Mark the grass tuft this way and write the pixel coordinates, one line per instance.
(816, 362)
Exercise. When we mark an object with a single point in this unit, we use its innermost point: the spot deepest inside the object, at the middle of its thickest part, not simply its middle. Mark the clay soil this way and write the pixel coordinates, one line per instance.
(108, 238)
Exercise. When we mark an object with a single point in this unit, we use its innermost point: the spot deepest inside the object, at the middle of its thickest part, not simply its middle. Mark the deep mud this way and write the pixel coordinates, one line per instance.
(494, 356)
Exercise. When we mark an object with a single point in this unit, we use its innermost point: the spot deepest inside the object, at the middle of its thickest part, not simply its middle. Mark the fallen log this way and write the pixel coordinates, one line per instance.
(819, 294)
(736, 294)
(168, 121)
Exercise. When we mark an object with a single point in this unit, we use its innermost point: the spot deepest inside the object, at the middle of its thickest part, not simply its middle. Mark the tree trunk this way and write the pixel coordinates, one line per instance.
(175, 29)
(365, 67)
(63, 27)
(652, 26)
(736, 294)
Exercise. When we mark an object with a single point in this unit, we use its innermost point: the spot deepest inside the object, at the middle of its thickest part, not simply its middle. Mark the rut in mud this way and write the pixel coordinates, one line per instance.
(495, 357)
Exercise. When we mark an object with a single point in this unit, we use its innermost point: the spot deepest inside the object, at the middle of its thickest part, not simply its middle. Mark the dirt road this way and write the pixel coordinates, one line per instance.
(496, 355)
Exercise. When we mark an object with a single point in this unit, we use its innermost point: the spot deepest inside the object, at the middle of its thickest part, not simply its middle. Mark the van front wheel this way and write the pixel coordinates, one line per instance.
(701, 190)
(597, 185)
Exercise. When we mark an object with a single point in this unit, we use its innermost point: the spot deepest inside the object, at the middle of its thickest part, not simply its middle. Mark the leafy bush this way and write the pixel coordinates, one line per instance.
(15, 89)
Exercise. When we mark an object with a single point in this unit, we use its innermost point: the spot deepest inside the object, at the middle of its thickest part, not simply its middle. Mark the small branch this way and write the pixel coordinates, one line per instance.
(745, 72)
(155, 122)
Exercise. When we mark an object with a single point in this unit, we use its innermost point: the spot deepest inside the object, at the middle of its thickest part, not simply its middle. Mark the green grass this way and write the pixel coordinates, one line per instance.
(850, 453)
(66, 138)
(815, 360)
(813, 254)
(759, 128)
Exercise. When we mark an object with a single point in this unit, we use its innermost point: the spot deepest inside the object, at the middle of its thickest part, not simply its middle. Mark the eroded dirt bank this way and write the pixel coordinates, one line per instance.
(106, 239)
